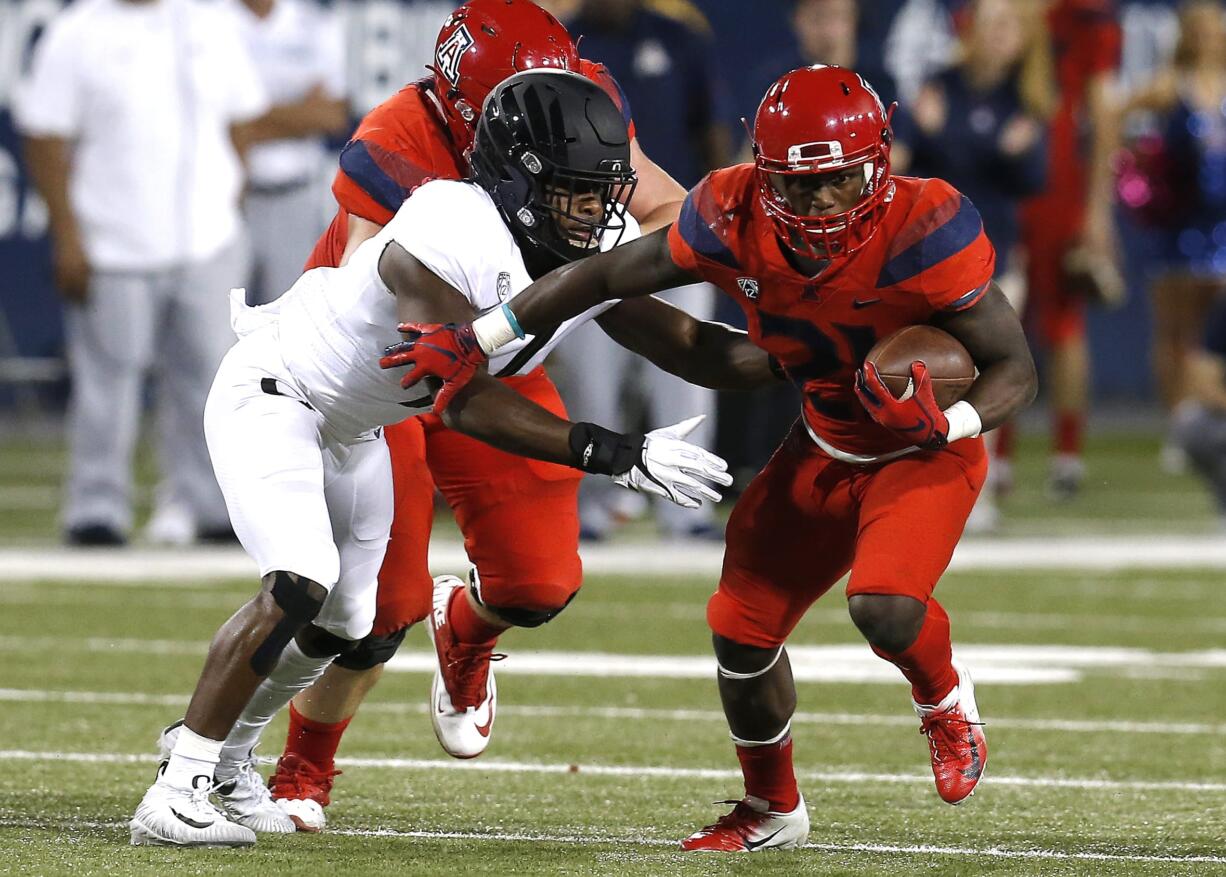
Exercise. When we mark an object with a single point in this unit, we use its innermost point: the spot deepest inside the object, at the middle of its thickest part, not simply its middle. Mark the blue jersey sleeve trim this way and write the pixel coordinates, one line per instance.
(697, 234)
(965, 301)
(955, 235)
(361, 167)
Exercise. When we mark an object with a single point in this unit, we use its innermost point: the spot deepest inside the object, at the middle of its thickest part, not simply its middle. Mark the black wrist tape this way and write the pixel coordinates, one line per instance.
(603, 451)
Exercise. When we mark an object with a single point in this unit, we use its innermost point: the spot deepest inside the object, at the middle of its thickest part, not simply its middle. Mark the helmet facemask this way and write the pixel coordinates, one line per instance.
(835, 235)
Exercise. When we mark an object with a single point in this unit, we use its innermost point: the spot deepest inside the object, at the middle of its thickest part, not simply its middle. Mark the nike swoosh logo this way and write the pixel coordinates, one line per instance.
(186, 820)
(976, 768)
(484, 730)
(919, 424)
(857, 303)
(754, 844)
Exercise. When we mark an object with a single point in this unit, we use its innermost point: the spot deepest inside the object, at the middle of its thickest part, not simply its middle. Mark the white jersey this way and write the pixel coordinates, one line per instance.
(334, 323)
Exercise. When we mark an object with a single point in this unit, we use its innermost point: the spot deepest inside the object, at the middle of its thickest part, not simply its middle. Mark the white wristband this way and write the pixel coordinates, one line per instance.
(963, 420)
(496, 329)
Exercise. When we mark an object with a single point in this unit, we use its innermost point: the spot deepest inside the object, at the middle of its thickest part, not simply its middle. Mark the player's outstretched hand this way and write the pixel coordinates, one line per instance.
(673, 468)
(916, 417)
(448, 351)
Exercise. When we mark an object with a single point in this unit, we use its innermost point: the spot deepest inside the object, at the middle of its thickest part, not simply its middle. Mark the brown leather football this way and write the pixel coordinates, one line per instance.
(950, 366)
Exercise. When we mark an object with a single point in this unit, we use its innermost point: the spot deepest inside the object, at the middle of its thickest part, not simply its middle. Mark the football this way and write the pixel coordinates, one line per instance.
(950, 366)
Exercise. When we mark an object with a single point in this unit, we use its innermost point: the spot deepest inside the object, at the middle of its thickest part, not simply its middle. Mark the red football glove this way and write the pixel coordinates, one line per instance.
(443, 350)
(917, 419)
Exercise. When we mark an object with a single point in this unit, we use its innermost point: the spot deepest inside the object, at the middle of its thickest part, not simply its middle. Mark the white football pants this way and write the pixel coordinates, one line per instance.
(300, 501)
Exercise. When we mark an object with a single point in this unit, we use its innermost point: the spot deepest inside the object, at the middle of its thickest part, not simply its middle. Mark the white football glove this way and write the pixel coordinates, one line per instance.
(675, 469)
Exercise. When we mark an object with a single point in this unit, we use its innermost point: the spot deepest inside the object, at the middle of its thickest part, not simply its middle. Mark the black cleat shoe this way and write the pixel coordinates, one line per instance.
(95, 536)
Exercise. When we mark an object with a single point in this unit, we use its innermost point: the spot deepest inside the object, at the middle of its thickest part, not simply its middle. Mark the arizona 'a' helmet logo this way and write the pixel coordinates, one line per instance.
(450, 51)
(749, 286)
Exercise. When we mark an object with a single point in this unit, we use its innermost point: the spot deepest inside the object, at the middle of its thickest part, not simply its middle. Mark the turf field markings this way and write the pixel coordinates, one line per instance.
(1100, 553)
(658, 772)
(640, 841)
(994, 664)
(119, 698)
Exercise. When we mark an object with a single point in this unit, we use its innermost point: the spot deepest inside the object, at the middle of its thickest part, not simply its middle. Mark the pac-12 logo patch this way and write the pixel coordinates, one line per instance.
(450, 51)
(504, 285)
(749, 286)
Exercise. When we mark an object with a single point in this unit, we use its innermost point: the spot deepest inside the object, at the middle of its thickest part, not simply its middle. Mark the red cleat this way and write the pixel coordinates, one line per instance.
(302, 790)
(463, 696)
(955, 738)
(751, 827)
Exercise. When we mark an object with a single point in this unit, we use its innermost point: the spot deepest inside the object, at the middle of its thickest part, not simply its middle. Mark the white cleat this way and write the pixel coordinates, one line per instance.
(244, 797)
(751, 827)
(305, 813)
(247, 801)
(168, 816)
(463, 696)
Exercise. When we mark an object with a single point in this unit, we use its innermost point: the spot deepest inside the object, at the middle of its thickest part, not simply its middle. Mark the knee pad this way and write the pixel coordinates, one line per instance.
(300, 600)
(372, 651)
(516, 616)
(319, 643)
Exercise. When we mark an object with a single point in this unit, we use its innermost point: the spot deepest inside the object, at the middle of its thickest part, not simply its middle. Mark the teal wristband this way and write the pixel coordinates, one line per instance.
(514, 323)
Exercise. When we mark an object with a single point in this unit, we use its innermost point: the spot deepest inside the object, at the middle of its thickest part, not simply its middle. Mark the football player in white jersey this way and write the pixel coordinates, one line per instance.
(293, 421)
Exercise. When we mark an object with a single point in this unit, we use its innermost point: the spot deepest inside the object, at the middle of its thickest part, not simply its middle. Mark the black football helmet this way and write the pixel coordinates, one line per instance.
(552, 150)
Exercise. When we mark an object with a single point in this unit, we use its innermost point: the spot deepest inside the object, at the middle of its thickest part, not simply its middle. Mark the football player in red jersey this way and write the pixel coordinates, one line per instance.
(826, 252)
(528, 564)
(1069, 230)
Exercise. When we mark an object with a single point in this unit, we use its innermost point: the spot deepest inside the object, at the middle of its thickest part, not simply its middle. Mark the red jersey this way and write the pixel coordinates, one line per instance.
(1086, 41)
(930, 254)
(401, 144)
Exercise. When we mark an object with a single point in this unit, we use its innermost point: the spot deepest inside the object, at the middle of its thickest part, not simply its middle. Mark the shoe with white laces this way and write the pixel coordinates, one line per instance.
(751, 827)
(248, 801)
(244, 796)
(302, 790)
(956, 740)
(463, 696)
(169, 816)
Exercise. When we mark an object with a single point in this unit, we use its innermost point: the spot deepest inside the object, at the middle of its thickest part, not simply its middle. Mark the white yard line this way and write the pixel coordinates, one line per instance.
(62, 825)
(1097, 553)
(991, 664)
(615, 713)
(658, 772)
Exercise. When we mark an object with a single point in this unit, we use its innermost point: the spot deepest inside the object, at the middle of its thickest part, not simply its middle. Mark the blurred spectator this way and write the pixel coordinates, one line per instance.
(1199, 422)
(667, 69)
(128, 113)
(1069, 230)
(826, 32)
(298, 48)
(1176, 184)
(981, 125)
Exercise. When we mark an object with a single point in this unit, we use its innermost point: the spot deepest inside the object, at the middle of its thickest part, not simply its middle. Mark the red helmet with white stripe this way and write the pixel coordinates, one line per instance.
(818, 120)
(482, 43)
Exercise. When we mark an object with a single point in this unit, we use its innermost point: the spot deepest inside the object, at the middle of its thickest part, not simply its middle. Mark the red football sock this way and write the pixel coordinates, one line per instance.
(466, 625)
(769, 775)
(317, 742)
(927, 662)
(1069, 426)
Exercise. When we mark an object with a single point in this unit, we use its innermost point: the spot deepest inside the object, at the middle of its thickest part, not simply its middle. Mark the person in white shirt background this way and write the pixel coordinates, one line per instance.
(298, 48)
(133, 112)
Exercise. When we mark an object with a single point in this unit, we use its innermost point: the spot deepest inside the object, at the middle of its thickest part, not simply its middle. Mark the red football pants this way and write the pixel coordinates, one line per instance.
(519, 517)
(807, 519)
(1052, 226)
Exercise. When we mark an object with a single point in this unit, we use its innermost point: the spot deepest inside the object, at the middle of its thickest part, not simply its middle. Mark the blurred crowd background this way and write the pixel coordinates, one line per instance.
(1090, 134)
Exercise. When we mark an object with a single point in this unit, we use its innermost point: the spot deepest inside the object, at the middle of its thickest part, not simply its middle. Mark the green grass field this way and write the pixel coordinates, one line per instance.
(1111, 759)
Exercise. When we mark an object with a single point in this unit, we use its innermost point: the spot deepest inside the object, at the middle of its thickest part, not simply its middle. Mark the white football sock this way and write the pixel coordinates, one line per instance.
(295, 671)
(192, 758)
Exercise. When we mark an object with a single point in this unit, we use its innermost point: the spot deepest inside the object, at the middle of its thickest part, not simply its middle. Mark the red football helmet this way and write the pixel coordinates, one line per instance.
(816, 120)
(485, 41)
